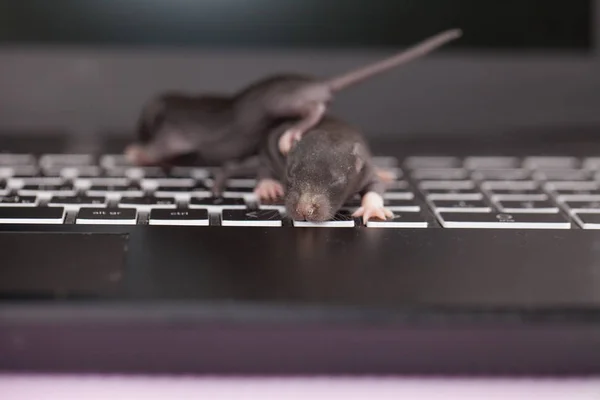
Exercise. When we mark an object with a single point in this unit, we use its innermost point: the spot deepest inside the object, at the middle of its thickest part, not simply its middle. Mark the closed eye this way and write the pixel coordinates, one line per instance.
(339, 180)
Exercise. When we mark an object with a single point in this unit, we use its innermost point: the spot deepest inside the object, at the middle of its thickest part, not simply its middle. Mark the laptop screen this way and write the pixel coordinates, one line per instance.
(488, 24)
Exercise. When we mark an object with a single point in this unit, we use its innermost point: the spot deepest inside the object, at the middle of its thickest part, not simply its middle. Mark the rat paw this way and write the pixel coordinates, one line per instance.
(287, 140)
(268, 189)
(368, 212)
(372, 206)
(135, 155)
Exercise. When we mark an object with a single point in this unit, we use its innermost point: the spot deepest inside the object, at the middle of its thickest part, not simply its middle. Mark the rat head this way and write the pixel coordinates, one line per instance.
(321, 173)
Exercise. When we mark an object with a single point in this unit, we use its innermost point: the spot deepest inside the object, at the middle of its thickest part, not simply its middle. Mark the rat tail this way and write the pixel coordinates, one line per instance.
(413, 53)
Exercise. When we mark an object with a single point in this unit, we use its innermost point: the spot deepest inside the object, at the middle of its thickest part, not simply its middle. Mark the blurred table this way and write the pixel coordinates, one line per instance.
(90, 387)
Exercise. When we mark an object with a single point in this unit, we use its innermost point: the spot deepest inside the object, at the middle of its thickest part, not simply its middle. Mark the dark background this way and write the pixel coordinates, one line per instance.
(497, 24)
(85, 67)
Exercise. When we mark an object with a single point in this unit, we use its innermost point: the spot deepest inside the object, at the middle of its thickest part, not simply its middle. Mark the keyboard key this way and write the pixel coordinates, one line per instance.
(467, 184)
(7, 159)
(576, 194)
(251, 218)
(400, 220)
(66, 160)
(502, 175)
(397, 185)
(76, 202)
(401, 205)
(147, 202)
(106, 216)
(432, 162)
(440, 174)
(110, 186)
(384, 161)
(517, 194)
(453, 194)
(110, 161)
(178, 187)
(550, 162)
(189, 172)
(566, 187)
(277, 204)
(592, 163)
(460, 206)
(503, 220)
(563, 175)
(242, 183)
(510, 185)
(197, 217)
(587, 220)
(491, 162)
(47, 189)
(18, 201)
(583, 206)
(88, 171)
(216, 204)
(399, 194)
(137, 173)
(239, 191)
(32, 215)
(528, 206)
(21, 171)
(341, 220)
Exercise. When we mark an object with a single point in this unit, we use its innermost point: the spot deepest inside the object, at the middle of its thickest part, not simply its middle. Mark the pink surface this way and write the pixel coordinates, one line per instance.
(14, 387)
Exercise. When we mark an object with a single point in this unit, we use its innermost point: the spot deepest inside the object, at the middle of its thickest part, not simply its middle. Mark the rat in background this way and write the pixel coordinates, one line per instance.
(329, 165)
(227, 131)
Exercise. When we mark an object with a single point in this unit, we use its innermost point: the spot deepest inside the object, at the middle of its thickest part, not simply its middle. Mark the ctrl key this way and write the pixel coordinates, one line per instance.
(196, 217)
(106, 216)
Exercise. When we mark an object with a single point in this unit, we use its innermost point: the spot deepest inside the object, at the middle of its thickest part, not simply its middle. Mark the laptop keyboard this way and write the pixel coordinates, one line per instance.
(429, 192)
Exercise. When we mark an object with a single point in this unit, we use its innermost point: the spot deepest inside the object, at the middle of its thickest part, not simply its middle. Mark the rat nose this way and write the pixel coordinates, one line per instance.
(310, 208)
(308, 212)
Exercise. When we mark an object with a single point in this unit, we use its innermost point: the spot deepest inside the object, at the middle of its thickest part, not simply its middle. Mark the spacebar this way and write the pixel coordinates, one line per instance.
(32, 215)
(503, 220)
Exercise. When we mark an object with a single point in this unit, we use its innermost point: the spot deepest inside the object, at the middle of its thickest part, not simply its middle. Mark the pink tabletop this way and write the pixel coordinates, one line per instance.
(14, 387)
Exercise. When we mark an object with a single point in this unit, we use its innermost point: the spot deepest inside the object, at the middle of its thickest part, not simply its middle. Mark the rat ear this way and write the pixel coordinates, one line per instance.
(358, 152)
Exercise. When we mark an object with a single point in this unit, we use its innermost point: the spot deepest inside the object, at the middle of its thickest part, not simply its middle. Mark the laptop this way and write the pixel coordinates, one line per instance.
(491, 265)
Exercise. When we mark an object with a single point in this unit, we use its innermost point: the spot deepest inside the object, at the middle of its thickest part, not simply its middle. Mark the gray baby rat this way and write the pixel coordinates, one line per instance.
(226, 130)
(329, 165)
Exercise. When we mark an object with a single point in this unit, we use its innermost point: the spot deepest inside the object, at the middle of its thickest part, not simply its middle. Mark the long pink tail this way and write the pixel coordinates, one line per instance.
(413, 53)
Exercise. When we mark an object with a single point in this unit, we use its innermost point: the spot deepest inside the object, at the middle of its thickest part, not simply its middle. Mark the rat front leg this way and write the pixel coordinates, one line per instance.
(269, 189)
(372, 206)
(230, 169)
(312, 116)
(221, 176)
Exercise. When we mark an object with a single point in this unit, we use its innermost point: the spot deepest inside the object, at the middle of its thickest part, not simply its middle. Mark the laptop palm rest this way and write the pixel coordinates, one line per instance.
(57, 265)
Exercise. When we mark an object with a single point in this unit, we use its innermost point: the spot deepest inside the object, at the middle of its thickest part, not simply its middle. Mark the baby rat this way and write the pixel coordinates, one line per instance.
(331, 164)
(224, 130)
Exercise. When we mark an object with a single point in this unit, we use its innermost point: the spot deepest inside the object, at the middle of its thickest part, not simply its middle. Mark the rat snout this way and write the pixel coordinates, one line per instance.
(311, 207)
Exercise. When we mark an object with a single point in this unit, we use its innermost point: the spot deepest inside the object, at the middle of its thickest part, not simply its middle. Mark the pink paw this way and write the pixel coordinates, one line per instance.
(268, 189)
(287, 140)
(372, 206)
(135, 155)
